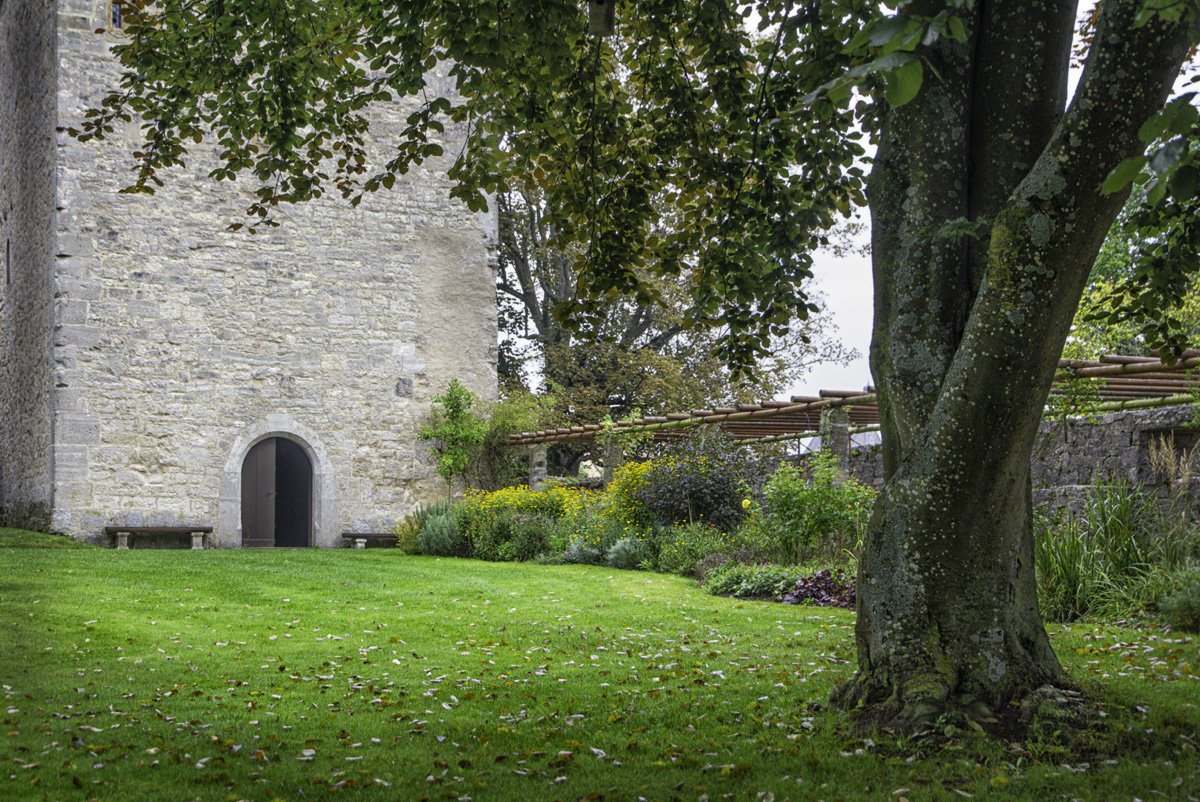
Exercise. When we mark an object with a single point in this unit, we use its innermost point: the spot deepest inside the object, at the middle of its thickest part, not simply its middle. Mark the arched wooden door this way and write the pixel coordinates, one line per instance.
(276, 495)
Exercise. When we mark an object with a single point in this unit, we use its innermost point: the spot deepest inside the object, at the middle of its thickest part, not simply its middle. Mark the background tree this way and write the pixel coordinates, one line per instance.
(492, 465)
(636, 358)
(1100, 327)
(989, 198)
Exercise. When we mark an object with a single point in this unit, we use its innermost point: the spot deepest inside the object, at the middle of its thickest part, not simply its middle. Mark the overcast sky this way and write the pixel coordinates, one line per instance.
(846, 283)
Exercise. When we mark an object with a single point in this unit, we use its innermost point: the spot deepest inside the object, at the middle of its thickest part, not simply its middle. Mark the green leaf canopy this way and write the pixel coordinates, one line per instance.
(681, 147)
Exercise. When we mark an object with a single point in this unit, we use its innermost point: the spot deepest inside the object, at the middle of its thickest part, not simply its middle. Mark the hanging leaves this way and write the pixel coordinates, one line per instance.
(678, 145)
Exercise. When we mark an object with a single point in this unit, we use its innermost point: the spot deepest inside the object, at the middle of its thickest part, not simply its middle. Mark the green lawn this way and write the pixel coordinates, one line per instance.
(229, 675)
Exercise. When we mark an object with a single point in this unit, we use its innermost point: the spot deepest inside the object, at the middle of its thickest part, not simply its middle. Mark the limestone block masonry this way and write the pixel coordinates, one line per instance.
(154, 348)
(27, 70)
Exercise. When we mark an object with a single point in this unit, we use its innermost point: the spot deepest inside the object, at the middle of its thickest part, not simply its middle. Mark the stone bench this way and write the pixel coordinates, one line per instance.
(360, 538)
(122, 533)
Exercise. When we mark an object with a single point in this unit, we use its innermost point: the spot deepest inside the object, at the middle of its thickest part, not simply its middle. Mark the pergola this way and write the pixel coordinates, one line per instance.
(1112, 383)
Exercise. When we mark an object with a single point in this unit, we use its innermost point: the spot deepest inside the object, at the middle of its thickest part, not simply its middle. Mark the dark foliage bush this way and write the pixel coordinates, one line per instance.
(697, 479)
(831, 587)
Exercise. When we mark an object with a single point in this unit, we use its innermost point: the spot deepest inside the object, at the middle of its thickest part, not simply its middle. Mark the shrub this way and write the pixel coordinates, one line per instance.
(491, 533)
(581, 550)
(831, 587)
(825, 516)
(620, 503)
(454, 430)
(699, 479)
(559, 532)
(1070, 572)
(732, 579)
(683, 547)
(480, 513)
(1118, 555)
(491, 463)
(589, 536)
(1119, 521)
(529, 540)
(554, 501)
(628, 553)
(1149, 591)
(504, 537)
(440, 537)
(757, 543)
(705, 566)
(424, 512)
(408, 530)
(1182, 609)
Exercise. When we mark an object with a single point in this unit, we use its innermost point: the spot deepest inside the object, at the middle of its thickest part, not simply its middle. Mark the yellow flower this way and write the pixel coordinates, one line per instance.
(745, 504)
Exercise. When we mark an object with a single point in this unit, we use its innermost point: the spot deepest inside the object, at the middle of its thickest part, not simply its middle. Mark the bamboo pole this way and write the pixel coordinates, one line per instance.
(731, 415)
(1080, 370)
(1146, 403)
(799, 435)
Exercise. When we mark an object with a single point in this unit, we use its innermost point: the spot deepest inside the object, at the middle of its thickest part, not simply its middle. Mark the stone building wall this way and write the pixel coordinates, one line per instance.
(178, 344)
(27, 75)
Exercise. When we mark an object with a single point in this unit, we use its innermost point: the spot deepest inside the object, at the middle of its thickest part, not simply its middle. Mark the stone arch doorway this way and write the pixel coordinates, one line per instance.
(277, 495)
(324, 510)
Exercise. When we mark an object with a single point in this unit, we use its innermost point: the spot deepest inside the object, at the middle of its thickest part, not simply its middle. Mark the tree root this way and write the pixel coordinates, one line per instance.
(923, 700)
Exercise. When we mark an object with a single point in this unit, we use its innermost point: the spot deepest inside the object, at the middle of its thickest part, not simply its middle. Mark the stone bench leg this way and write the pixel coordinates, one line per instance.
(360, 542)
(122, 540)
(197, 541)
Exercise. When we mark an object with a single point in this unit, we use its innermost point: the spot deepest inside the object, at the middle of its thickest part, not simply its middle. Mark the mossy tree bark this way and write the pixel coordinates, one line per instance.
(967, 331)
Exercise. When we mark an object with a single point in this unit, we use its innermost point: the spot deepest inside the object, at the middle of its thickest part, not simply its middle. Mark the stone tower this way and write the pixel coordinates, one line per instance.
(151, 358)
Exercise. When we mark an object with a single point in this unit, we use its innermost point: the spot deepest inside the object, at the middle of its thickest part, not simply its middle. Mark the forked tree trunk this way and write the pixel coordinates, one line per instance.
(967, 332)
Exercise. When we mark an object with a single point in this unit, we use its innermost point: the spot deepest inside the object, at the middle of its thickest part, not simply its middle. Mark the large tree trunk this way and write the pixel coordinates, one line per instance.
(967, 332)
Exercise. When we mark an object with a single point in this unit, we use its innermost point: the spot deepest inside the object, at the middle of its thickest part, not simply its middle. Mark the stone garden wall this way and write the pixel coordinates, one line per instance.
(1070, 456)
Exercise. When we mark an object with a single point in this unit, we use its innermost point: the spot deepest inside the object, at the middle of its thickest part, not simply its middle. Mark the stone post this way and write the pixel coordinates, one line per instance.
(614, 457)
(835, 438)
(537, 467)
